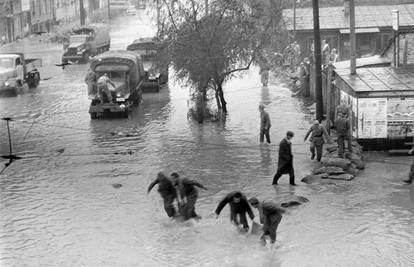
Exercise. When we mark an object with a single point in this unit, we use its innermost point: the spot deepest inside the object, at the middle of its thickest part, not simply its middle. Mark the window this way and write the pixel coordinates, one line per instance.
(18, 62)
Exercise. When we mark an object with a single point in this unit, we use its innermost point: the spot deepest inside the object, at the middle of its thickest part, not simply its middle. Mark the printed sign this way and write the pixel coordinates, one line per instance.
(372, 118)
(400, 116)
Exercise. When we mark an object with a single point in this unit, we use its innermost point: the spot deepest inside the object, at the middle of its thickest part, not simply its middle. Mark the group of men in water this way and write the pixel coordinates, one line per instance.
(185, 193)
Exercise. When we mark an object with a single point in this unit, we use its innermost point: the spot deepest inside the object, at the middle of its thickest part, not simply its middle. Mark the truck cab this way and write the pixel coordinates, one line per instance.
(154, 60)
(15, 70)
(86, 42)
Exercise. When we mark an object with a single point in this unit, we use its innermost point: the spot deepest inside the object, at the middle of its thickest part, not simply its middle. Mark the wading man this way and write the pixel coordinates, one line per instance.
(188, 194)
(270, 216)
(167, 192)
(285, 161)
(239, 206)
(317, 133)
(342, 131)
(264, 124)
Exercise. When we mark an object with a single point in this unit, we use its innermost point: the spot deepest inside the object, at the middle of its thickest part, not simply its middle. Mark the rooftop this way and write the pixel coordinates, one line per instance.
(379, 79)
(365, 17)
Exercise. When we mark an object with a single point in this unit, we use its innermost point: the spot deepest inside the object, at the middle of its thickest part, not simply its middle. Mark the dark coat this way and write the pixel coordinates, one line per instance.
(165, 187)
(285, 161)
(237, 208)
(188, 187)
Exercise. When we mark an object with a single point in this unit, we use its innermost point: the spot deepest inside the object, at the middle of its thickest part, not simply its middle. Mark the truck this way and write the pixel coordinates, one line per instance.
(155, 61)
(86, 42)
(126, 72)
(15, 71)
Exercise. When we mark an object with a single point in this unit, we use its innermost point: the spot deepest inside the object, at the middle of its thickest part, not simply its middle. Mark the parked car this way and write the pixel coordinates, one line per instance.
(125, 70)
(86, 42)
(15, 71)
(155, 61)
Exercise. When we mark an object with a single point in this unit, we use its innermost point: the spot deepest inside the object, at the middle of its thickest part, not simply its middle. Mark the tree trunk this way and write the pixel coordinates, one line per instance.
(221, 96)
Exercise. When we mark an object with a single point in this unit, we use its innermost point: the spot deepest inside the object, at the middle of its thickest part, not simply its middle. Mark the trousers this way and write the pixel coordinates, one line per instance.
(263, 133)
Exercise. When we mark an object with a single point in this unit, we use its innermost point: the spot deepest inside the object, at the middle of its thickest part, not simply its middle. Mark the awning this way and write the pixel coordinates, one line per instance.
(361, 30)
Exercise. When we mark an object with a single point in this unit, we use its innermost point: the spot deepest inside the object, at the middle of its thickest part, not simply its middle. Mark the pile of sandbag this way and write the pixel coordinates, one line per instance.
(336, 168)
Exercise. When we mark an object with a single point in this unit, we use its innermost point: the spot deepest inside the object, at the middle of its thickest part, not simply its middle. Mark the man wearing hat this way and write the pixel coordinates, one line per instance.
(270, 216)
(316, 139)
(285, 160)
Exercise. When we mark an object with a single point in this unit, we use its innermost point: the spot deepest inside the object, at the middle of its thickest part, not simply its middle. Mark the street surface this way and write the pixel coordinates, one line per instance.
(58, 205)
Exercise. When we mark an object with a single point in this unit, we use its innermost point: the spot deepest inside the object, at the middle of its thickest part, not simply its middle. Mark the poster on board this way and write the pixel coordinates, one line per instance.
(372, 118)
(400, 117)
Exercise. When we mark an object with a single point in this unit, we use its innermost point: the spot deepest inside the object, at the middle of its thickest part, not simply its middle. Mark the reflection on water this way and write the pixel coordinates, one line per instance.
(61, 209)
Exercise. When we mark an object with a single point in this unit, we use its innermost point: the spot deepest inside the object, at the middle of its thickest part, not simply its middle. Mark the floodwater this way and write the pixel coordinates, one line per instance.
(58, 205)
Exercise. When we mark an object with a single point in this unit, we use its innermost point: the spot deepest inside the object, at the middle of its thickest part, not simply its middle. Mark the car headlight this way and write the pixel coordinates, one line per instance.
(6, 83)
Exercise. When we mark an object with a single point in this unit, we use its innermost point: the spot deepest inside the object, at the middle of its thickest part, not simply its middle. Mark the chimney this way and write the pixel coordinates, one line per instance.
(346, 8)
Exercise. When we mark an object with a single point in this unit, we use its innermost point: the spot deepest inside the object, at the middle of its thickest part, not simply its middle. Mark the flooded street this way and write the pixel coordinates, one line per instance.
(58, 205)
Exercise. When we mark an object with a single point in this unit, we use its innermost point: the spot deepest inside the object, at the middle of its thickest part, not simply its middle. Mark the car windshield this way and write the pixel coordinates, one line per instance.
(6, 62)
(77, 39)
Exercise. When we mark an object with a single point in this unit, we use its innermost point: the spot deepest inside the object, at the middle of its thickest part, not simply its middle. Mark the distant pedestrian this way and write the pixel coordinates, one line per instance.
(342, 131)
(264, 75)
(167, 192)
(188, 193)
(317, 133)
(270, 216)
(333, 57)
(409, 179)
(264, 124)
(285, 161)
(239, 206)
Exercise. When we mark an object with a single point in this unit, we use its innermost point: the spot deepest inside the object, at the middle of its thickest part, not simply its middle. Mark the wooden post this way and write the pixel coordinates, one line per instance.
(318, 61)
(352, 36)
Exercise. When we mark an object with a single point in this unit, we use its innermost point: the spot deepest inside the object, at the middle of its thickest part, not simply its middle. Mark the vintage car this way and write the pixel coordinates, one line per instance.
(86, 42)
(125, 70)
(155, 61)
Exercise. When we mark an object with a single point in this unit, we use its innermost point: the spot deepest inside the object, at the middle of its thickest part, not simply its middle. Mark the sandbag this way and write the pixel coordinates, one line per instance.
(310, 179)
(337, 162)
(345, 177)
(329, 170)
(332, 149)
(359, 163)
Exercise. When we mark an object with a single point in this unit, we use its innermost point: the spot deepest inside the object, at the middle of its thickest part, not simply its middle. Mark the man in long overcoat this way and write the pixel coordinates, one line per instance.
(285, 161)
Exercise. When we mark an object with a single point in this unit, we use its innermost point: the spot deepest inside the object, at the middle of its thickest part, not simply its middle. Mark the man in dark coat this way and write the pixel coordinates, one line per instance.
(270, 217)
(238, 208)
(409, 179)
(167, 192)
(285, 161)
(188, 195)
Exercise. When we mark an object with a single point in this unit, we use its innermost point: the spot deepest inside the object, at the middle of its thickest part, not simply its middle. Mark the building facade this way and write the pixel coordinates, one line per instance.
(10, 20)
(373, 27)
(42, 15)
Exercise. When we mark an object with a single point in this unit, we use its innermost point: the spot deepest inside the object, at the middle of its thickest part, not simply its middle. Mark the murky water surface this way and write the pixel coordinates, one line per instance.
(58, 206)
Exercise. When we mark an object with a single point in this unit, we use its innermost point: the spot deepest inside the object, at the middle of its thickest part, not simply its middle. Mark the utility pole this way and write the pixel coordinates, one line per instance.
(206, 6)
(352, 37)
(294, 19)
(82, 12)
(109, 10)
(318, 61)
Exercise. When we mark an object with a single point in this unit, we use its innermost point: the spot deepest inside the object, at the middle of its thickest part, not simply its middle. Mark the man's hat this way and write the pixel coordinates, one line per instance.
(316, 122)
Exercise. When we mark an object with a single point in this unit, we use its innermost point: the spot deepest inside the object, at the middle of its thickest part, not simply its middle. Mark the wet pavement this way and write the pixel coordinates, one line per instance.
(59, 207)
